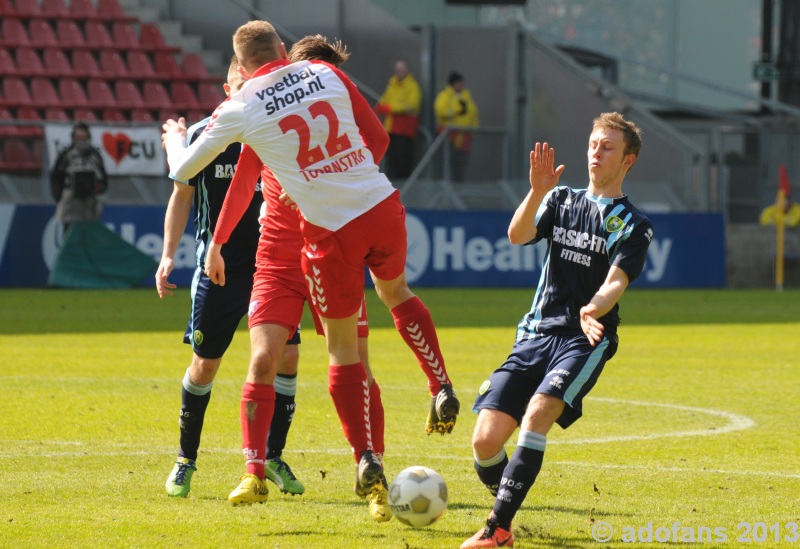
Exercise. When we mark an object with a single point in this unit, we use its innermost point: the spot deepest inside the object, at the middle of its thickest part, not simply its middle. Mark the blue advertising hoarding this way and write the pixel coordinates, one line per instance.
(445, 248)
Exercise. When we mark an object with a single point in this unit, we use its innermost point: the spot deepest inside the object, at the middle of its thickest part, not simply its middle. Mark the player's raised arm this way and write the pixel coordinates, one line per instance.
(543, 177)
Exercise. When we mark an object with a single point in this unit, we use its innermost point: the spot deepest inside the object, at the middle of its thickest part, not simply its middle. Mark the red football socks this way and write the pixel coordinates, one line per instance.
(413, 320)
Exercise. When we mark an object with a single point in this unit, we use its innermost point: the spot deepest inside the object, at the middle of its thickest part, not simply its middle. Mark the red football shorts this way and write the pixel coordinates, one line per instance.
(334, 265)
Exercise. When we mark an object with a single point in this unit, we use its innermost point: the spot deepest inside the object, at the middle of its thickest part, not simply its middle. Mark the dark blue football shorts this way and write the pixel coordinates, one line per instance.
(564, 366)
(217, 311)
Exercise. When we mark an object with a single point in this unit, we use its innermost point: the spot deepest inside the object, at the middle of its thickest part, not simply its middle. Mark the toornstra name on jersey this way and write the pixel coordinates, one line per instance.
(291, 89)
(581, 241)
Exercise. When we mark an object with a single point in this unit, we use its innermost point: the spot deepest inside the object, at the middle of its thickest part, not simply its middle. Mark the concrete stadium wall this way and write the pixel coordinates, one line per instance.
(750, 250)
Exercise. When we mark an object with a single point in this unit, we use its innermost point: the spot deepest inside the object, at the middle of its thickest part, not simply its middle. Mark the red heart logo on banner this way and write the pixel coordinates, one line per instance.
(117, 146)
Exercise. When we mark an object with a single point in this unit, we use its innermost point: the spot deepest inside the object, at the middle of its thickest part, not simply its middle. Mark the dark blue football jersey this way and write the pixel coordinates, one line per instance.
(585, 236)
(211, 185)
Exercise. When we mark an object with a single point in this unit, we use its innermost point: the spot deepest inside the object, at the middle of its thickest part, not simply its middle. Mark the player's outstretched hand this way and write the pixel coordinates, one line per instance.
(163, 285)
(173, 128)
(590, 325)
(543, 175)
(215, 264)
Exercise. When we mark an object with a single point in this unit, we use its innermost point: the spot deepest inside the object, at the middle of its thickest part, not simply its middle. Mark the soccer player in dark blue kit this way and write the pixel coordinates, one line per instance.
(217, 310)
(597, 244)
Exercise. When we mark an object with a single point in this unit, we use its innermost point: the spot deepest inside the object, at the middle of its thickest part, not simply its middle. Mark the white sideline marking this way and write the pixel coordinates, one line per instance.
(735, 423)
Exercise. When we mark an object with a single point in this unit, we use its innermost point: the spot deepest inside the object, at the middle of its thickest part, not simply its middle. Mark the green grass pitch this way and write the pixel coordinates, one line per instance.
(692, 425)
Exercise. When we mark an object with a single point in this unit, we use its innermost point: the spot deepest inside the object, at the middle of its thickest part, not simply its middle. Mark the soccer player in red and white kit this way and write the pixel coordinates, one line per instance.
(309, 124)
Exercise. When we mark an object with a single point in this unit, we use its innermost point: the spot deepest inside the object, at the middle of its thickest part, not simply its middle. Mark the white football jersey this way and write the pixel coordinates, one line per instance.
(299, 119)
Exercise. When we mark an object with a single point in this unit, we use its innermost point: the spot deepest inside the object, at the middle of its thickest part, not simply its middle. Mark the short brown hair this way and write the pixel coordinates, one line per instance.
(317, 47)
(631, 133)
(256, 42)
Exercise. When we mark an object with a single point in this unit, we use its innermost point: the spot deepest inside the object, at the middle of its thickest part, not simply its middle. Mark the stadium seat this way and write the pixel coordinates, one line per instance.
(166, 65)
(139, 65)
(166, 114)
(69, 34)
(82, 9)
(128, 95)
(72, 93)
(195, 115)
(56, 114)
(193, 65)
(17, 157)
(55, 9)
(41, 33)
(210, 95)
(124, 36)
(8, 67)
(156, 95)
(97, 35)
(56, 63)
(183, 96)
(141, 115)
(150, 38)
(84, 64)
(111, 10)
(15, 92)
(34, 127)
(7, 8)
(84, 114)
(26, 9)
(114, 115)
(28, 62)
(8, 124)
(100, 94)
(43, 93)
(14, 32)
(112, 65)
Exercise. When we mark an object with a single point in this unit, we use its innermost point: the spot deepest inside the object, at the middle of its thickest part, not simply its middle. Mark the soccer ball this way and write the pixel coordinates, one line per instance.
(418, 496)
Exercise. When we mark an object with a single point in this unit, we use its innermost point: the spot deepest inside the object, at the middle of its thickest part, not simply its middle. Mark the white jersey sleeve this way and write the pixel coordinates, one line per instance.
(225, 127)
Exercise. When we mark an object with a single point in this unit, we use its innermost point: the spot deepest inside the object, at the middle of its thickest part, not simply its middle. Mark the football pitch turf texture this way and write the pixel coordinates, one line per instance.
(690, 436)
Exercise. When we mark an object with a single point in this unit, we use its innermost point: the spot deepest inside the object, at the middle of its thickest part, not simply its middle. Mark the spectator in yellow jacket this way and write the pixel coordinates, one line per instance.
(454, 108)
(400, 105)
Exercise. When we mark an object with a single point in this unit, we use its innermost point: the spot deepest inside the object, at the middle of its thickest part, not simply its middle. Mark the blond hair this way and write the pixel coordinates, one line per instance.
(256, 43)
(631, 133)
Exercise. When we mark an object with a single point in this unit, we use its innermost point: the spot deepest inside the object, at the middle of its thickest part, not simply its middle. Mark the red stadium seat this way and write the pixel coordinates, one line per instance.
(156, 95)
(166, 114)
(8, 67)
(139, 65)
(114, 115)
(84, 114)
(27, 8)
(166, 65)
(124, 37)
(69, 34)
(142, 115)
(193, 65)
(28, 62)
(56, 63)
(8, 124)
(7, 8)
(56, 114)
(72, 93)
(41, 33)
(82, 9)
(43, 93)
(17, 157)
(150, 38)
(84, 64)
(183, 96)
(210, 95)
(111, 10)
(31, 115)
(55, 9)
(14, 32)
(16, 93)
(128, 95)
(100, 94)
(112, 65)
(97, 35)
